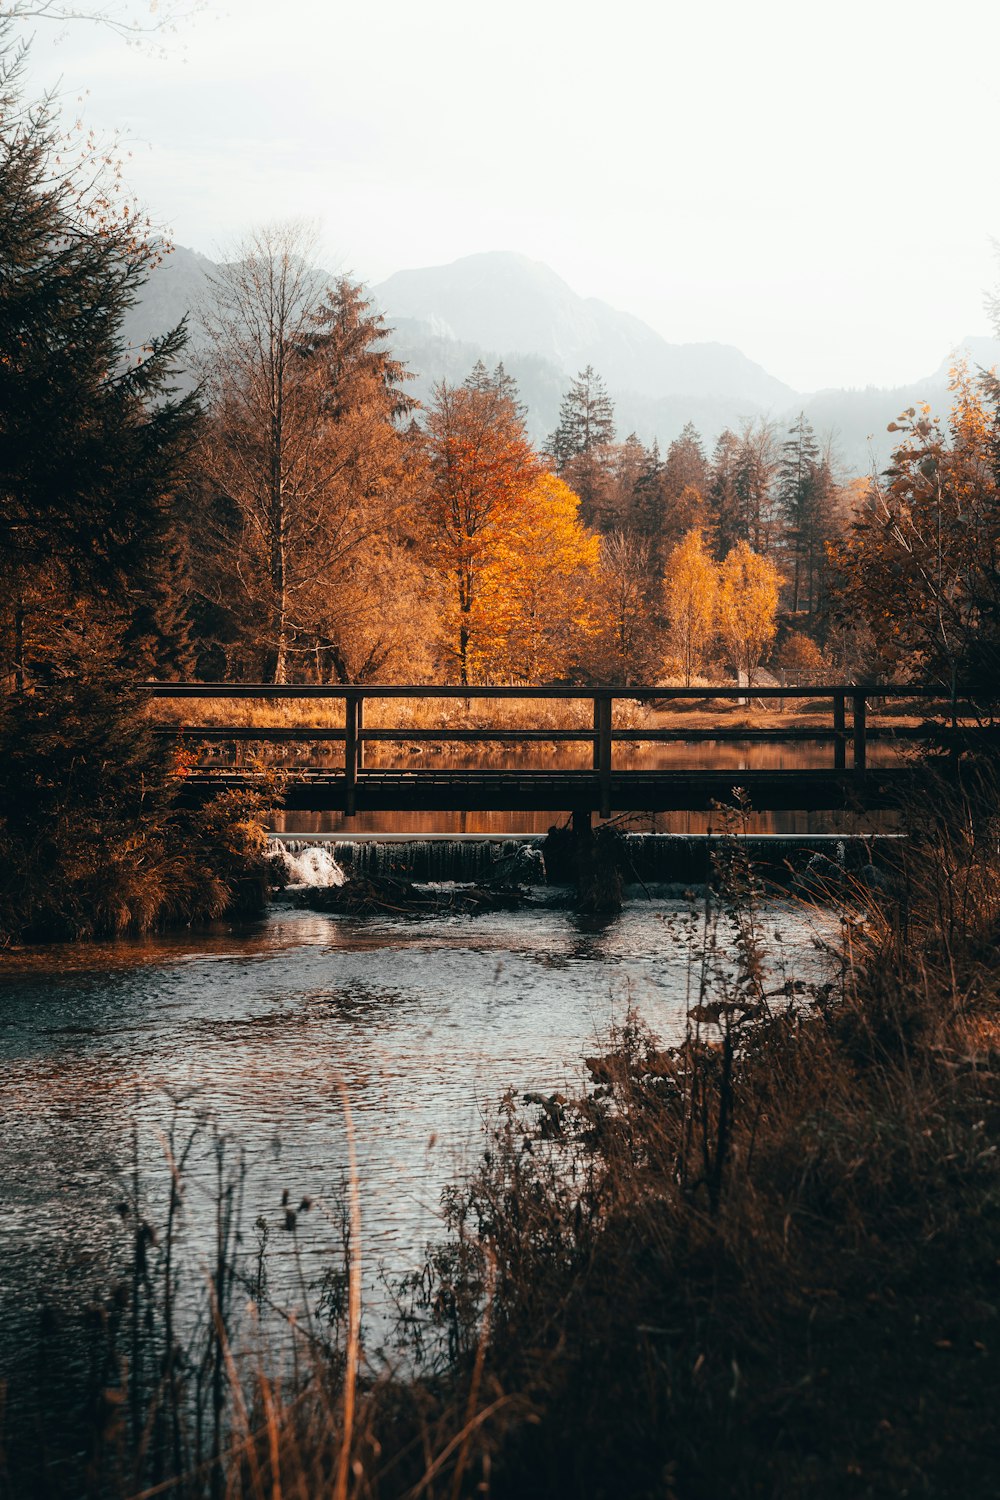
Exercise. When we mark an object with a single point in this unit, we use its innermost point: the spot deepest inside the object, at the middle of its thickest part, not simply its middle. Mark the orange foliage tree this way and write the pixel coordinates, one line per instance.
(691, 586)
(921, 566)
(535, 606)
(482, 471)
(748, 604)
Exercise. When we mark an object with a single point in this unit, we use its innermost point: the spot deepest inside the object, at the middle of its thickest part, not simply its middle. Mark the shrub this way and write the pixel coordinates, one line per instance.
(92, 841)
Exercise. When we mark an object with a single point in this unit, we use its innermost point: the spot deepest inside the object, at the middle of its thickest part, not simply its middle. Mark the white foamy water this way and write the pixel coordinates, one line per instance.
(313, 866)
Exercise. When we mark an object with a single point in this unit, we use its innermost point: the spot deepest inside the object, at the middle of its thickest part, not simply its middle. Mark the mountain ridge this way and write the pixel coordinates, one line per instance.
(499, 305)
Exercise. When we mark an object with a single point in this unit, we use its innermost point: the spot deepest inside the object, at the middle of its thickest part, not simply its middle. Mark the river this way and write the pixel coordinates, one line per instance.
(427, 1022)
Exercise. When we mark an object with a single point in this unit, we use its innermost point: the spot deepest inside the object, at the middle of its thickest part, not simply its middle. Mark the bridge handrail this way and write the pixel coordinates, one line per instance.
(639, 693)
(602, 737)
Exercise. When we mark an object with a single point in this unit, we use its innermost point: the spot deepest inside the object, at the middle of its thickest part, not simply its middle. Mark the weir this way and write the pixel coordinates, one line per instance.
(520, 858)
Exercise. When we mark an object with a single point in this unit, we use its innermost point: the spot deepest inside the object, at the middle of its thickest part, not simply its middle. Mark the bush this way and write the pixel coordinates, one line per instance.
(92, 842)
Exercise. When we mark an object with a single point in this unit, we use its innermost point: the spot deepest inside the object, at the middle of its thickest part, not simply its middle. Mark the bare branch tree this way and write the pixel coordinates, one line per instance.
(300, 447)
(133, 20)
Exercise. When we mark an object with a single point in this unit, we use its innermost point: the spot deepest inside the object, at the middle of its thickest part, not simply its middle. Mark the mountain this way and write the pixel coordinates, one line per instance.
(858, 419)
(501, 301)
(500, 306)
(174, 290)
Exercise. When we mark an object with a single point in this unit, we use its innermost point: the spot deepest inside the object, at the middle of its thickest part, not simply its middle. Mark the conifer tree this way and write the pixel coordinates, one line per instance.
(581, 448)
(805, 491)
(723, 494)
(586, 419)
(92, 438)
(671, 499)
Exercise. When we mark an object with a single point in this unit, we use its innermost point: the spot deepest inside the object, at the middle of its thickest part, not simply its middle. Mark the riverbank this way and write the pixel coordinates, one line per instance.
(775, 1272)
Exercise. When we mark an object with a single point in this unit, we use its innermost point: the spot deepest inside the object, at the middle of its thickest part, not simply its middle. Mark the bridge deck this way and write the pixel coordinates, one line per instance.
(540, 791)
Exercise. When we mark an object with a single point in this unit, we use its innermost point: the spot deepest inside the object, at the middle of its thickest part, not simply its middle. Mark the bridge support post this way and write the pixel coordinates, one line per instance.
(352, 717)
(860, 733)
(602, 716)
(840, 729)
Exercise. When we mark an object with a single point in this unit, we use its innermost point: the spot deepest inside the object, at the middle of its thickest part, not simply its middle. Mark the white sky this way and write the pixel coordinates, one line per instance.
(815, 183)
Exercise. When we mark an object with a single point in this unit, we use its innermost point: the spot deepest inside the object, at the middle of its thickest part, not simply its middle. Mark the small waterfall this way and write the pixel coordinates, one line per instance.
(465, 859)
(676, 857)
(306, 863)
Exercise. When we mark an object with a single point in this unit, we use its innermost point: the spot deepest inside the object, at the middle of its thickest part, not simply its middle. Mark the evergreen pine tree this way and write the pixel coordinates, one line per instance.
(805, 490)
(586, 419)
(723, 494)
(92, 437)
(671, 499)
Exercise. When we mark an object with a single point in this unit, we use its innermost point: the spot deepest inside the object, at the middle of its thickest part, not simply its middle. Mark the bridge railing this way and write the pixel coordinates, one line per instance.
(843, 698)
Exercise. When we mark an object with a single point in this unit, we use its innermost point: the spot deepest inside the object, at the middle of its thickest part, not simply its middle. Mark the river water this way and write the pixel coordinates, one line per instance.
(252, 1028)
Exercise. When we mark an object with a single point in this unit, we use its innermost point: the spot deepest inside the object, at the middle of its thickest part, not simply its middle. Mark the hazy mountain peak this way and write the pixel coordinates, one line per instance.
(502, 305)
(516, 306)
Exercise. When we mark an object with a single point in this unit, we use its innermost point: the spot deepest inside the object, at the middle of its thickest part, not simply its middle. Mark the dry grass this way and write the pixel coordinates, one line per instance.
(513, 713)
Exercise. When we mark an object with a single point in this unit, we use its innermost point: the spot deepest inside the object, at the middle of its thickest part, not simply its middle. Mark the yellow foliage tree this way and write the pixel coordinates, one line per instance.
(533, 608)
(748, 604)
(691, 586)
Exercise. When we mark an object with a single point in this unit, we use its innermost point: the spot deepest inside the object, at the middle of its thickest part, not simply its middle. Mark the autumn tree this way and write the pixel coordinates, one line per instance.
(303, 448)
(691, 586)
(627, 646)
(747, 607)
(481, 470)
(921, 564)
(535, 614)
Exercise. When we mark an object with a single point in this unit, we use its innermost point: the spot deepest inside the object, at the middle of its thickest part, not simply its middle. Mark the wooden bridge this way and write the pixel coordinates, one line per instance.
(353, 785)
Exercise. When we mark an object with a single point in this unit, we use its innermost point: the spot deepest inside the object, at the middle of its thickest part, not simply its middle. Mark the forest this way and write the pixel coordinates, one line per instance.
(298, 517)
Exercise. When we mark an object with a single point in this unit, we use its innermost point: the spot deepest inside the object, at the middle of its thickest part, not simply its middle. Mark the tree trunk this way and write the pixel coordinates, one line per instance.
(19, 617)
(463, 653)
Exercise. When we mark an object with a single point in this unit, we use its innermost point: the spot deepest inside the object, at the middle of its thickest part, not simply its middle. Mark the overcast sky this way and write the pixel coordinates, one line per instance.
(813, 183)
